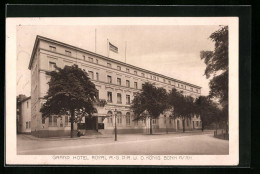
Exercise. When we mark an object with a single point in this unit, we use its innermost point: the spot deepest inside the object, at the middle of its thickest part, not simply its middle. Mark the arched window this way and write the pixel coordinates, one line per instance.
(127, 118)
(109, 118)
(119, 117)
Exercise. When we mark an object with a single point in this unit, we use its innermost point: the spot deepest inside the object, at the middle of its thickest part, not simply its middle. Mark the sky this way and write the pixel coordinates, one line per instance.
(172, 50)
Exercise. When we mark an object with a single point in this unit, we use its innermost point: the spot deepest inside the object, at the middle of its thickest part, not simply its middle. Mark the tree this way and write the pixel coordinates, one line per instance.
(176, 101)
(217, 66)
(182, 107)
(209, 111)
(189, 110)
(152, 100)
(70, 91)
(203, 109)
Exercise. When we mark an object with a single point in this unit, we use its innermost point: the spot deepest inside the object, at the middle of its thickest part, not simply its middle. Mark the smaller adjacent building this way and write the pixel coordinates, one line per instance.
(23, 114)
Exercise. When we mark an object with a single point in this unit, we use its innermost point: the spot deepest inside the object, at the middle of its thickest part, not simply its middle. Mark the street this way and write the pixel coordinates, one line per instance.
(127, 144)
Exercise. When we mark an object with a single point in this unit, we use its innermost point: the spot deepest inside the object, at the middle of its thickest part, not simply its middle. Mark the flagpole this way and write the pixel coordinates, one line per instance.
(125, 50)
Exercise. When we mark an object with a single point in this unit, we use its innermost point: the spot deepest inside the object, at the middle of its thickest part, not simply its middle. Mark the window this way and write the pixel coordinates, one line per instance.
(84, 58)
(66, 120)
(96, 61)
(109, 79)
(68, 53)
(26, 125)
(135, 72)
(197, 123)
(164, 80)
(178, 85)
(151, 76)
(142, 85)
(109, 97)
(119, 68)
(91, 75)
(127, 70)
(119, 98)
(170, 121)
(118, 81)
(154, 121)
(127, 119)
(53, 121)
(135, 83)
(50, 120)
(97, 75)
(158, 79)
(169, 82)
(27, 104)
(29, 124)
(97, 94)
(43, 120)
(90, 59)
(127, 83)
(127, 99)
(109, 119)
(119, 118)
(52, 48)
(52, 66)
(109, 65)
(143, 74)
(154, 77)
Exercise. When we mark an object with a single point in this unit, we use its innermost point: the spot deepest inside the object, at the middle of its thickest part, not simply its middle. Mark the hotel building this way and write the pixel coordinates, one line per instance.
(117, 82)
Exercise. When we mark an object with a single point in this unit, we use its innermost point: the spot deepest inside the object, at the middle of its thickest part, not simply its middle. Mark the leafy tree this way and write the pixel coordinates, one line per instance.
(217, 64)
(190, 109)
(182, 107)
(151, 102)
(217, 67)
(70, 91)
(203, 109)
(209, 111)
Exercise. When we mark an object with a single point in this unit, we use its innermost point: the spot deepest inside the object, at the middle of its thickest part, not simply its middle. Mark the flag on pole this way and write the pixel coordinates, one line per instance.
(113, 48)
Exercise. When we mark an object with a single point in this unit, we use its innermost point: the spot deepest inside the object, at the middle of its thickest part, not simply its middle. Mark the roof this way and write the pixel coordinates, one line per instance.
(38, 38)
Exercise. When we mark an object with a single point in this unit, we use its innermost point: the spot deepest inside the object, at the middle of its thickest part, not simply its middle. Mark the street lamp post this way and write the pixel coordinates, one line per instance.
(115, 126)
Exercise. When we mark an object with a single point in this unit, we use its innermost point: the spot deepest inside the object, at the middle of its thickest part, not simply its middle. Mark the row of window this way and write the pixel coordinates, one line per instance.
(53, 121)
(119, 119)
(90, 59)
(109, 80)
(119, 98)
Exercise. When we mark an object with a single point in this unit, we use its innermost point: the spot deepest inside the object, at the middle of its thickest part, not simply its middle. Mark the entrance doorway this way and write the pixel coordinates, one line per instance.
(91, 123)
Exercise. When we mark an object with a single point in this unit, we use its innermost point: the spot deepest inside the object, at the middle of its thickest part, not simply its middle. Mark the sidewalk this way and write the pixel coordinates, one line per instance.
(122, 136)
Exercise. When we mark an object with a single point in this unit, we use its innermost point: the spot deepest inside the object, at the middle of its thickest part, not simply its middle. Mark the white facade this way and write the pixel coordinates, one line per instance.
(24, 121)
(117, 83)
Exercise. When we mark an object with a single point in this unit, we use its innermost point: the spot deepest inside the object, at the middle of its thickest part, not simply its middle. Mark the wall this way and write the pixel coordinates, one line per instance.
(25, 116)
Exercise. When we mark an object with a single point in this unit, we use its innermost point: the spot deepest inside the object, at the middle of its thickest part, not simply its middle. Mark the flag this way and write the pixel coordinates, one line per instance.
(113, 48)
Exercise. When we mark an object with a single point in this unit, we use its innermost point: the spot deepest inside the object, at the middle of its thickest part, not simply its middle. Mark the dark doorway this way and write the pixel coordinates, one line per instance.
(91, 123)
